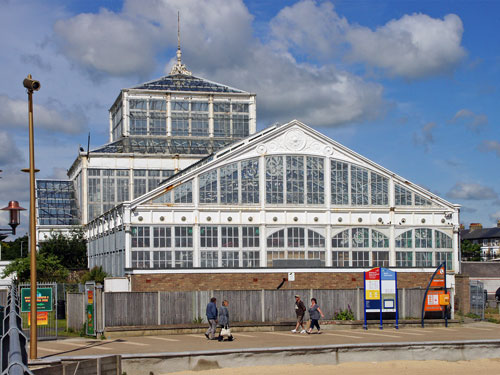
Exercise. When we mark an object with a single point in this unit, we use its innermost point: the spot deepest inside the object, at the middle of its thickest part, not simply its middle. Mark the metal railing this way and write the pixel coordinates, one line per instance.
(14, 360)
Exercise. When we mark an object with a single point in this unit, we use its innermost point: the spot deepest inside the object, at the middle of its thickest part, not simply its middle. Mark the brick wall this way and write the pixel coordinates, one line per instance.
(257, 281)
(462, 294)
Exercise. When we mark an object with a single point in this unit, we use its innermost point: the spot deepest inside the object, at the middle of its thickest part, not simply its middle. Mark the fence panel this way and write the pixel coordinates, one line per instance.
(131, 308)
(244, 305)
(3, 296)
(75, 317)
(413, 302)
(477, 298)
(176, 307)
(280, 304)
(332, 301)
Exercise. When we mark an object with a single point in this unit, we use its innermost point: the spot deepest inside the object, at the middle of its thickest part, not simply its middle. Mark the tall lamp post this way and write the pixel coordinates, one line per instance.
(32, 85)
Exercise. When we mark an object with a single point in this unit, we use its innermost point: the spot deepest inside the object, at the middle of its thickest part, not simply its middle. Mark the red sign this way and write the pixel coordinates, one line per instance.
(373, 274)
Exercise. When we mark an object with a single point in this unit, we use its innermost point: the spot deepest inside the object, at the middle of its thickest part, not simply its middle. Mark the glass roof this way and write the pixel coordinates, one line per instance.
(56, 200)
(173, 146)
(182, 82)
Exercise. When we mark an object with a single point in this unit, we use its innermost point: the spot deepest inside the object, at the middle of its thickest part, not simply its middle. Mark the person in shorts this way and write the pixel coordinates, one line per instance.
(300, 310)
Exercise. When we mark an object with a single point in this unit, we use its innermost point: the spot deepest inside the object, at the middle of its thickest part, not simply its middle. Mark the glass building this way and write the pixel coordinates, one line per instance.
(155, 129)
(285, 198)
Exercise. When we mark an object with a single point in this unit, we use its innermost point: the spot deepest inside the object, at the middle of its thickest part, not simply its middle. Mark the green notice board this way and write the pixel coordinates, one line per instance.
(43, 299)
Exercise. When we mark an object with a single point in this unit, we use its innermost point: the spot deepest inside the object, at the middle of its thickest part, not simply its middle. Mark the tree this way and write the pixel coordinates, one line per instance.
(470, 251)
(15, 249)
(95, 274)
(71, 250)
(48, 268)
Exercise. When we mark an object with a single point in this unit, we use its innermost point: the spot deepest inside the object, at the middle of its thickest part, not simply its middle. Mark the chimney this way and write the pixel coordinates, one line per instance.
(462, 227)
(475, 226)
(498, 223)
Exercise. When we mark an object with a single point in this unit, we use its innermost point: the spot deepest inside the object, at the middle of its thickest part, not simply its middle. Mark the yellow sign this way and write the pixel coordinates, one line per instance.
(444, 299)
(373, 294)
(42, 318)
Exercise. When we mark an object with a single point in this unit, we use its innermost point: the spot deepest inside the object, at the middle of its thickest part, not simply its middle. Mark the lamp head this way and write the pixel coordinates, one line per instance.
(31, 84)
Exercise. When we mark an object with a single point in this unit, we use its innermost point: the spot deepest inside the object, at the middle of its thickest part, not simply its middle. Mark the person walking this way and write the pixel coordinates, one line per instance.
(314, 313)
(224, 321)
(300, 310)
(212, 319)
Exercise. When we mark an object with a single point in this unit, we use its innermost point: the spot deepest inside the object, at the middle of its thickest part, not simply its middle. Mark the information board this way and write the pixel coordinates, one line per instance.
(380, 293)
(388, 290)
(43, 299)
(372, 290)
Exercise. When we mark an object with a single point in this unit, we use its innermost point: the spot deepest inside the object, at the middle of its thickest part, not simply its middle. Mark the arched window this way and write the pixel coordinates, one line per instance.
(423, 238)
(360, 237)
(379, 239)
(405, 240)
(314, 239)
(341, 240)
(277, 239)
(443, 241)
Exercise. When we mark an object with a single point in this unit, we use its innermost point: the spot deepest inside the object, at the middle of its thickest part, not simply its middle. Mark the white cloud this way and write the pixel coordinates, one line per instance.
(108, 42)
(315, 29)
(472, 191)
(491, 146)
(15, 187)
(9, 152)
(414, 46)
(424, 137)
(14, 112)
(472, 120)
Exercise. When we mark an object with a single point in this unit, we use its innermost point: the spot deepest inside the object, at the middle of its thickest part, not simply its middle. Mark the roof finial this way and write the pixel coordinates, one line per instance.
(179, 67)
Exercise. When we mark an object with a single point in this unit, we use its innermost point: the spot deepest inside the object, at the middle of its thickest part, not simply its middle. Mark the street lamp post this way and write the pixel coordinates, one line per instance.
(32, 85)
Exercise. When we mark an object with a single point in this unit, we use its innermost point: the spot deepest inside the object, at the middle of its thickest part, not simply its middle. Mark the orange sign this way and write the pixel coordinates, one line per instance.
(42, 318)
(438, 281)
(433, 300)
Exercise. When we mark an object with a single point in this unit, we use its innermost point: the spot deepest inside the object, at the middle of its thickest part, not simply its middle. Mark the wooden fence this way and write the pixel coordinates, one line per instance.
(164, 308)
(75, 311)
(3, 297)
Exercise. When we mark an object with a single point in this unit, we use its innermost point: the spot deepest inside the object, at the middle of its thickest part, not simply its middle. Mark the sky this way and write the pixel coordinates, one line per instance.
(412, 85)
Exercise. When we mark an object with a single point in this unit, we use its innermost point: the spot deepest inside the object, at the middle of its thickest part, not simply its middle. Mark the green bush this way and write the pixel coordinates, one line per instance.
(95, 274)
(346, 314)
(198, 320)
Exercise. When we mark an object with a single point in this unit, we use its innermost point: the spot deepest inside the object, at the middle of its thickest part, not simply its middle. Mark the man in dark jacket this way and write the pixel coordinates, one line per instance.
(212, 319)
(300, 310)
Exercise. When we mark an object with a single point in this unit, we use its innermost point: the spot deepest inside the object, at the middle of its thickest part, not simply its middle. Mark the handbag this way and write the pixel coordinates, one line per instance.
(225, 332)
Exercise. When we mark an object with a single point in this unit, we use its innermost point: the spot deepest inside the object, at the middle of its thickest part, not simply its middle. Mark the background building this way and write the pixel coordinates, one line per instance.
(487, 238)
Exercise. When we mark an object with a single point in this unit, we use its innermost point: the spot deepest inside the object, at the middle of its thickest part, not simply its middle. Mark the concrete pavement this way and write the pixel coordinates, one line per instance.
(130, 346)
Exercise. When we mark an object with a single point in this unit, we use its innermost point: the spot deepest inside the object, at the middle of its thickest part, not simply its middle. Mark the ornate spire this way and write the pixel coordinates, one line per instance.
(179, 67)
